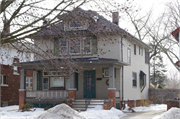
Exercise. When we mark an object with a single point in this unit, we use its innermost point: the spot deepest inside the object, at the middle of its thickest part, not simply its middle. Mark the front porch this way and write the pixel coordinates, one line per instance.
(99, 80)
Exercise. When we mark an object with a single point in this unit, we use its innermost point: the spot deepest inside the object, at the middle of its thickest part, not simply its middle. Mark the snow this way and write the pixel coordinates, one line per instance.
(61, 111)
(99, 113)
(173, 113)
(152, 107)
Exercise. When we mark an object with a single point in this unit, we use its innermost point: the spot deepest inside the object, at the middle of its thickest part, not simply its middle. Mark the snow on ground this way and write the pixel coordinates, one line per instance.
(173, 113)
(10, 112)
(60, 112)
(152, 107)
(99, 113)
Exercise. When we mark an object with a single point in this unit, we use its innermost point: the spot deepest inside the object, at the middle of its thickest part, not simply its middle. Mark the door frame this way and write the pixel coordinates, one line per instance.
(94, 82)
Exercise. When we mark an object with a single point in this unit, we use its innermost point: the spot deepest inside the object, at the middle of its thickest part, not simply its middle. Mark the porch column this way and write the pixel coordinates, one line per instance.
(22, 90)
(112, 89)
(72, 89)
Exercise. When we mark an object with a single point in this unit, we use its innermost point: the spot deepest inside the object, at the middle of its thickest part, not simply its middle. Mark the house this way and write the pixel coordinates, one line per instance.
(10, 74)
(113, 64)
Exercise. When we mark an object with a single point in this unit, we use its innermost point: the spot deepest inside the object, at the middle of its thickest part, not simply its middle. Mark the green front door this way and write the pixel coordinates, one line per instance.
(89, 84)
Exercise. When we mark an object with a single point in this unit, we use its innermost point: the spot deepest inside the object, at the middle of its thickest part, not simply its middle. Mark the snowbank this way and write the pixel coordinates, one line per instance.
(152, 107)
(173, 113)
(61, 111)
(103, 114)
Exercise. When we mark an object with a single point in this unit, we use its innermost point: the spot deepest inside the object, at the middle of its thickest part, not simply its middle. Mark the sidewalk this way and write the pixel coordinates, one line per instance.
(143, 115)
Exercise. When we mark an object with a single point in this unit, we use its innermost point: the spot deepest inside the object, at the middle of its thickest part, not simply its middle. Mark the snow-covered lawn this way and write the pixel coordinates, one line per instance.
(62, 111)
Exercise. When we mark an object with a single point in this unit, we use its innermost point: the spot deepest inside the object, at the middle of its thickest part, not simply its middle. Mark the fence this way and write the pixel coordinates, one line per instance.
(162, 95)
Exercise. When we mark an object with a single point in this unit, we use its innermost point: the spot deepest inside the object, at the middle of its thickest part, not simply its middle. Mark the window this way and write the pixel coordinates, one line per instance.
(29, 81)
(45, 83)
(129, 56)
(142, 78)
(106, 72)
(75, 46)
(75, 24)
(146, 57)
(134, 49)
(57, 82)
(63, 46)
(140, 50)
(3, 80)
(87, 45)
(134, 75)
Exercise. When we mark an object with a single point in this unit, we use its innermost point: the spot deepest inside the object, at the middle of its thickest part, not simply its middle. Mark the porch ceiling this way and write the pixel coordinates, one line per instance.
(83, 62)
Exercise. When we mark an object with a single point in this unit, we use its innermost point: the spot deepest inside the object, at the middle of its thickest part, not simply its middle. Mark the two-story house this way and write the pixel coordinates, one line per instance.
(113, 64)
(10, 74)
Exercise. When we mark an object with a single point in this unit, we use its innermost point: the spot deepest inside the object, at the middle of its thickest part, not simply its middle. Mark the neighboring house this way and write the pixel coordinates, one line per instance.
(116, 64)
(10, 74)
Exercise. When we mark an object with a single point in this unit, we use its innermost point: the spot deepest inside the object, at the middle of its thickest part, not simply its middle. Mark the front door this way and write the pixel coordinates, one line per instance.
(89, 88)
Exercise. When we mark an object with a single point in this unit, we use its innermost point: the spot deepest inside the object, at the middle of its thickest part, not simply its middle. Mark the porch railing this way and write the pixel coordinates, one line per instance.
(47, 94)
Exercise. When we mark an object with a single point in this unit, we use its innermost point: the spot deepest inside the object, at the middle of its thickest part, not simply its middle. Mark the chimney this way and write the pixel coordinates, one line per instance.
(115, 18)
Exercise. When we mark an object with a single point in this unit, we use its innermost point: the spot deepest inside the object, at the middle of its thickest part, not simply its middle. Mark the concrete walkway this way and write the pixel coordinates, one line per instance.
(143, 115)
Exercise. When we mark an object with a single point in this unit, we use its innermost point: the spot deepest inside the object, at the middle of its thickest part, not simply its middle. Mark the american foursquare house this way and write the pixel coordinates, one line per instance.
(113, 64)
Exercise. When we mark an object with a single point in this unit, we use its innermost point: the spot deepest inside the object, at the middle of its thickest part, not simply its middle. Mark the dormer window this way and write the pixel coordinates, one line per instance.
(75, 24)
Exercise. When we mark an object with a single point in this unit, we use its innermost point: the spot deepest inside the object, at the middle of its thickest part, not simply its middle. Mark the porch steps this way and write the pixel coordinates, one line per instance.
(80, 105)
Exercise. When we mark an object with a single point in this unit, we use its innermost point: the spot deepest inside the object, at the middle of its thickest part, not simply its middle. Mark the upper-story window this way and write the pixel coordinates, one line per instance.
(63, 46)
(134, 49)
(129, 56)
(146, 57)
(74, 46)
(75, 24)
(140, 50)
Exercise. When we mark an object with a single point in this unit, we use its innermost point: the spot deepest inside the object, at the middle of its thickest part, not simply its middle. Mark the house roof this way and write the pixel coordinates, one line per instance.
(81, 61)
(98, 25)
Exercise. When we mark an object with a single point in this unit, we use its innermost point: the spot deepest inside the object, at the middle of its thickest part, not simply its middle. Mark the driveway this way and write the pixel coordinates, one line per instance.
(143, 115)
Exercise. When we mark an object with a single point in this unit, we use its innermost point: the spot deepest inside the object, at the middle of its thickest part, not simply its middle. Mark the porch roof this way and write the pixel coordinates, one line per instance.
(84, 62)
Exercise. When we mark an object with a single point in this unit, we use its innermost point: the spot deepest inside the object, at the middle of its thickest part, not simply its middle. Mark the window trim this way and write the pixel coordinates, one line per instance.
(60, 47)
(104, 70)
(90, 45)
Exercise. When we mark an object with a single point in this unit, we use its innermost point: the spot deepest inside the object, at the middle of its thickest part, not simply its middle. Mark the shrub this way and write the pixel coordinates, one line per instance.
(26, 107)
(160, 87)
(48, 107)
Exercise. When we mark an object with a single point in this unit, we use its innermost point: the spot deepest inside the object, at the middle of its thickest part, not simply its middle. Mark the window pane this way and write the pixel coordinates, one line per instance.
(31, 80)
(45, 80)
(57, 82)
(63, 42)
(45, 86)
(4, 80)
(15, 69)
